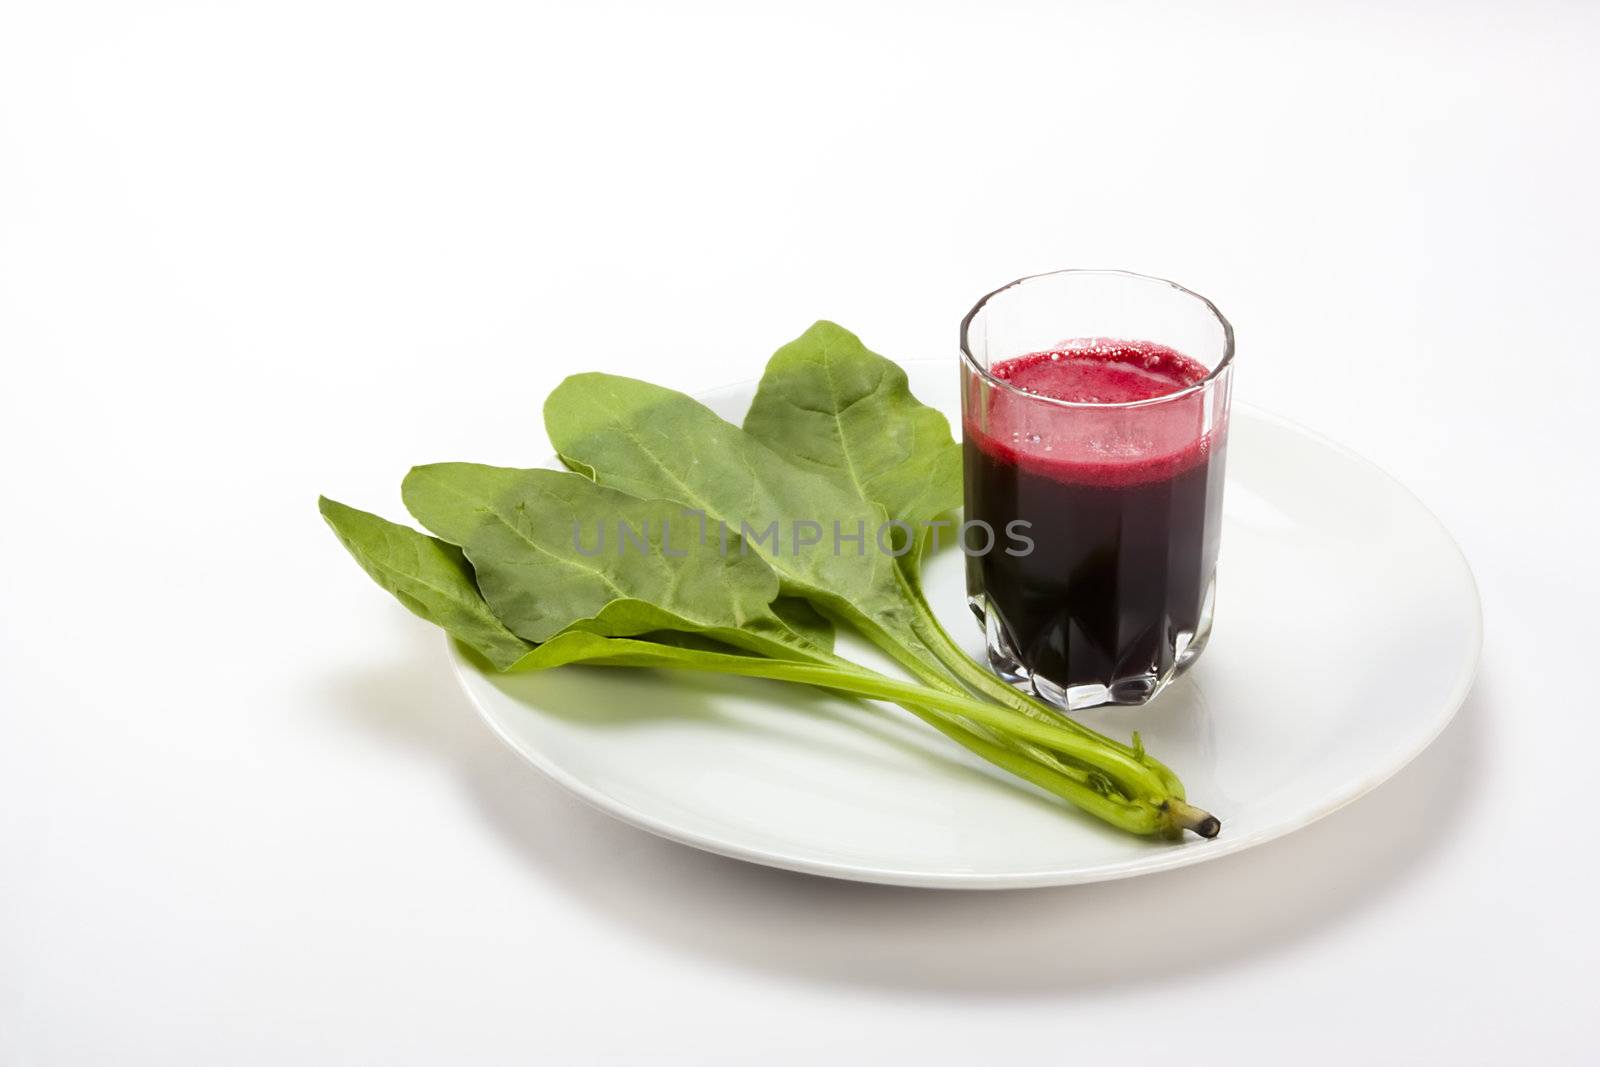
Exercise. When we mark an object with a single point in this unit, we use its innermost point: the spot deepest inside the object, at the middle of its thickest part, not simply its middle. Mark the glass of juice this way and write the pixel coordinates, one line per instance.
(1095, 422)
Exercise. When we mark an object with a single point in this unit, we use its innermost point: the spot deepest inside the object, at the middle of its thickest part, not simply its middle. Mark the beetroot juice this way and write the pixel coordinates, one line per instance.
(1121, 494)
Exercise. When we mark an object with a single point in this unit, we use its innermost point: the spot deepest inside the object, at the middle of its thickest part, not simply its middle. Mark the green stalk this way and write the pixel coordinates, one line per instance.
(1142, 782)
(963, 677)
(1135, 817)
(977, 678)
(1148, 809)
(930, 673)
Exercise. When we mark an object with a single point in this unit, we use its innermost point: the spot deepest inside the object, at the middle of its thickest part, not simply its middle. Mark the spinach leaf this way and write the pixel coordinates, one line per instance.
(551, 549)
(837, 407)
(428, 576)
(799, 616)
(833, 406)
(666, 649)
(657, 443)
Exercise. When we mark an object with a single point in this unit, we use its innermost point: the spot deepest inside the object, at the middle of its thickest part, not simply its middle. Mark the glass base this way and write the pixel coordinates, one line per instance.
(1130, 688)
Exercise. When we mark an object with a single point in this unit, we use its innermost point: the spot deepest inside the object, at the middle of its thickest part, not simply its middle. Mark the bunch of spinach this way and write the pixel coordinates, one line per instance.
(834, 432)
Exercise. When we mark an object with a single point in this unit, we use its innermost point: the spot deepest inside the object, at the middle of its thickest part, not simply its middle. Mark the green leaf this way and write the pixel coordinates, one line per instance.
(553, 550)
(668, 650)
(428, 576)
(658, 443)
(833, 406)
(798, 614)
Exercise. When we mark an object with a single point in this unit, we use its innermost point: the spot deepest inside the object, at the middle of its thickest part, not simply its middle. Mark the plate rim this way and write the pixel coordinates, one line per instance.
(1166, 860)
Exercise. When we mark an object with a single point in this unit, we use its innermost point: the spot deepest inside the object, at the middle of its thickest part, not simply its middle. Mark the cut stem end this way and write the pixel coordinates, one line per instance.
(1186, 816)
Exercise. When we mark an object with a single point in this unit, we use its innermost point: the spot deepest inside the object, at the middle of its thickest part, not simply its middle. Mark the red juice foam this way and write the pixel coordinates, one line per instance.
(1122, 495)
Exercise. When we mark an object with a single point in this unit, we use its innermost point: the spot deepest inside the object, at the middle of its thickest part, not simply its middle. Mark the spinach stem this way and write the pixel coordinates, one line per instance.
(1146, 808)
(948, 669)
(1141, 781)
(972, 674)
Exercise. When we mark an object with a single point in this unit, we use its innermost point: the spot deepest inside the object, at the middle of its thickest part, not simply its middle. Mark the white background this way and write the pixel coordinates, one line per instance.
(253, 252)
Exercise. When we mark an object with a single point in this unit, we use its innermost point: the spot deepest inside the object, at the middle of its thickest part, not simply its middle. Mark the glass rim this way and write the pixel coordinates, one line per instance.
(1223, 364)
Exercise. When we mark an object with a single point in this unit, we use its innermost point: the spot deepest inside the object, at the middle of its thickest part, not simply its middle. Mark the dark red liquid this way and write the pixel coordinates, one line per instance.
(1124, 506)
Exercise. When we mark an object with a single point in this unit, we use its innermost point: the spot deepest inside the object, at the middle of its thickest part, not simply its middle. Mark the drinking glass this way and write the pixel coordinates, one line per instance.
(1121, 500)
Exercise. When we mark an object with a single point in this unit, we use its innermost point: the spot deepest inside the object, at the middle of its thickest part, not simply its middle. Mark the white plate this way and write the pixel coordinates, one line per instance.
(1347, 635)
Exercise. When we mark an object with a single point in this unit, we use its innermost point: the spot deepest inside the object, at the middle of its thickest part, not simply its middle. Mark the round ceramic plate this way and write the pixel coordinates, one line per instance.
(1347, 635)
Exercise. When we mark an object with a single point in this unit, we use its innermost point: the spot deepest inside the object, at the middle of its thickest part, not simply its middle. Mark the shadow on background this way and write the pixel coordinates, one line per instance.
(1042, 942)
